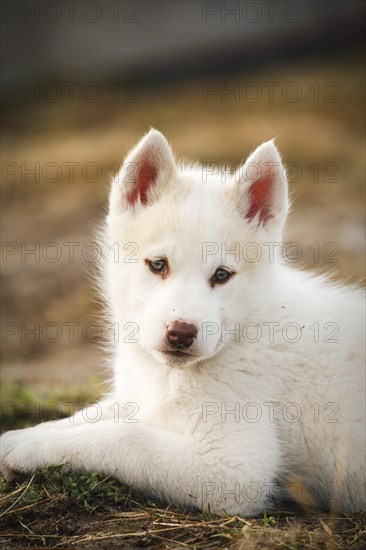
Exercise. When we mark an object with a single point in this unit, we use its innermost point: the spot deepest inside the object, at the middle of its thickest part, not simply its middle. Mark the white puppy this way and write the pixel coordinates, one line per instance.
(234, 374)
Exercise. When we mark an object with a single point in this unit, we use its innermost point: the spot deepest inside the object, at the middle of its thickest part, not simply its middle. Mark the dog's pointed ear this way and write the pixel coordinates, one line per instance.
(262, 189)
(145, 172)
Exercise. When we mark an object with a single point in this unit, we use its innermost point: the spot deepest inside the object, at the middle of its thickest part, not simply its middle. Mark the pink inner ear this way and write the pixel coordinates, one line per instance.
(259, 197)
(146, 177)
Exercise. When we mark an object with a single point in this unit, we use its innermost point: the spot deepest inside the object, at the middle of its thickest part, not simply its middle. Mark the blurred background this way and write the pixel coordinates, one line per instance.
(83, 81)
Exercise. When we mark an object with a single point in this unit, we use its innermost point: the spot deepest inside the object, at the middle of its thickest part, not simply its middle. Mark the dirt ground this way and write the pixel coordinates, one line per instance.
(56, 511)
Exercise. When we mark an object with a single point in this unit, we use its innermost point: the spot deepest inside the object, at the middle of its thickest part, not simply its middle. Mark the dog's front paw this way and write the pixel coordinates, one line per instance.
(10, 467)
(22, 451)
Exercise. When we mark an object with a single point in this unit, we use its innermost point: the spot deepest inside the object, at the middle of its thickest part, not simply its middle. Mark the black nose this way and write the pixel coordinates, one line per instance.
(180, 335)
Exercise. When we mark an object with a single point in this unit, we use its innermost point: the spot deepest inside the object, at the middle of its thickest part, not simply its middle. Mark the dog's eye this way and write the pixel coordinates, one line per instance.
(221, 275)
(159, 265)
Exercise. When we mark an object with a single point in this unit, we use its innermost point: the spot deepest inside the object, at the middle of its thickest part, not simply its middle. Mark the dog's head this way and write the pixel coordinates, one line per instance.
(187, 249)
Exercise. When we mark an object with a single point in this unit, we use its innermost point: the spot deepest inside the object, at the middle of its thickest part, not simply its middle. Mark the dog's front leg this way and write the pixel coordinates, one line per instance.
(178, 468)
(38, 446)
(108, 409)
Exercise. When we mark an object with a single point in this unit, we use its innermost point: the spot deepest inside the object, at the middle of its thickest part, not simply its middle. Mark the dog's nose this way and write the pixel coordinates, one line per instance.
(180, 335)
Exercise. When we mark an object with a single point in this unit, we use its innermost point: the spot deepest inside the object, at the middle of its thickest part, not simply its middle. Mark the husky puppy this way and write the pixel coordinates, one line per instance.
(235, 375)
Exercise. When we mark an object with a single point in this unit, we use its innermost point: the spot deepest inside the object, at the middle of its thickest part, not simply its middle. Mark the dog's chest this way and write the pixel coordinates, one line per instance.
(170, 406)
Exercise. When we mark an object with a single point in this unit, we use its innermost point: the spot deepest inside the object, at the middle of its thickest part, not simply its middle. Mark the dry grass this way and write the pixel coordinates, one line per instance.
(56, 510)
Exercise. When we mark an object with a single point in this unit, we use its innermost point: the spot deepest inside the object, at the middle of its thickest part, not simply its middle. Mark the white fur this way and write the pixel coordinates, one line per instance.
(166, 426)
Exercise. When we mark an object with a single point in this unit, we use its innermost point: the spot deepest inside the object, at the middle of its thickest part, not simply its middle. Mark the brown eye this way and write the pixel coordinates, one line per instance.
(221, 275)
(158, 265)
